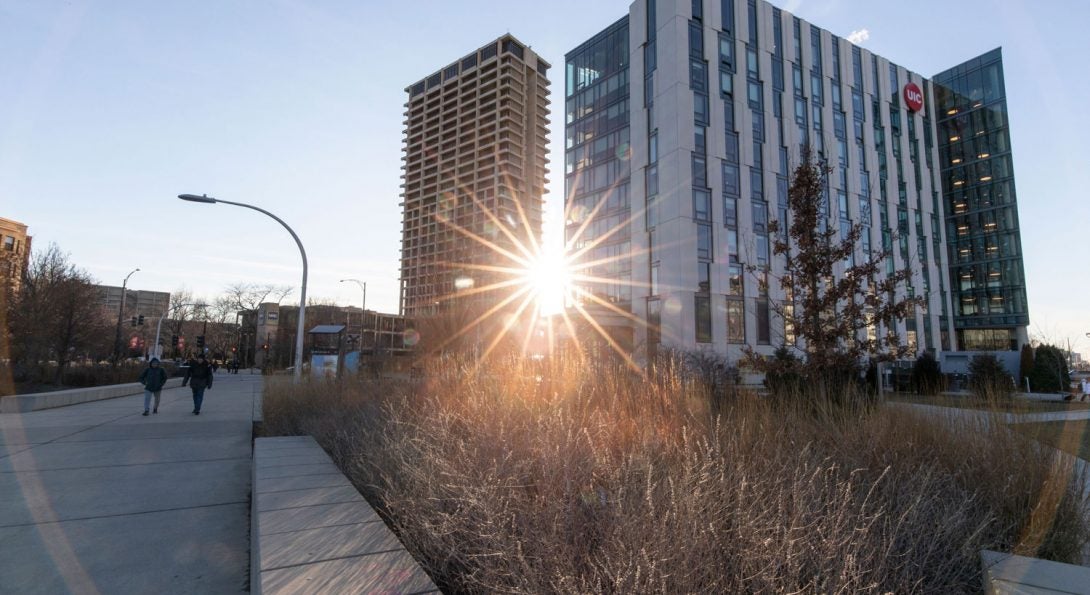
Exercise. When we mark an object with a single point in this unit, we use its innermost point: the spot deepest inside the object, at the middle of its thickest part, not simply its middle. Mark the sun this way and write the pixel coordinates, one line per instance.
(549, 275)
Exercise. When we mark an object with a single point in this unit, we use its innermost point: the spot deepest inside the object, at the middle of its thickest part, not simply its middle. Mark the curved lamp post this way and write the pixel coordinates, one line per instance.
(363, 305)
(120, 313)
(298, 375)
(363, 287)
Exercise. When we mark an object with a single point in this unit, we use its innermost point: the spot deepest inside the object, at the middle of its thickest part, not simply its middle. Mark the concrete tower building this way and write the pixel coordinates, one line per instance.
(474, 145)
(684, 122)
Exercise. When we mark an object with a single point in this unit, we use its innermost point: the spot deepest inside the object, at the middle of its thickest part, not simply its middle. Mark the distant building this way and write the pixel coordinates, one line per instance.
(474, 145)
(150, 304)
(14, 251)
(273, 341)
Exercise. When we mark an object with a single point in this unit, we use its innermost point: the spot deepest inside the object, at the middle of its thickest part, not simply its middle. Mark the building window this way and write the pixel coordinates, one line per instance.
(701, 204)
(700, 171)
(764, 335)
(736, 321)
(728, 16)
(704, 277)
(703, 315)
(731, 185)
(754, 96)
(696, 40)
(704, 241)
(730, 212)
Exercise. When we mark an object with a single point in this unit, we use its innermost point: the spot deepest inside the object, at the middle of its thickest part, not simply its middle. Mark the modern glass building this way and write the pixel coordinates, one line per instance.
(985, 251)
(679, 151)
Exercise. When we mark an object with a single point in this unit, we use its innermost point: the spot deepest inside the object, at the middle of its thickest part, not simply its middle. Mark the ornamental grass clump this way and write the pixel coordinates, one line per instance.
(572, 476)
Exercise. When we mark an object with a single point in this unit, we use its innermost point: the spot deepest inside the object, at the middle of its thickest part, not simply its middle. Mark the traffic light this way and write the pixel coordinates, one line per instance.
(134, 321)
(200, 341)
(174, 340)
(234, 349)
(265, 347)
(140, 320)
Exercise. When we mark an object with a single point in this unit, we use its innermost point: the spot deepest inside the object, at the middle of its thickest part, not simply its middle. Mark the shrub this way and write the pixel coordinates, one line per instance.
(1025, 365)
(783, 376)
(501, 477)
(1050, 373)
(712, 373)
(927, 376)
(988, 379)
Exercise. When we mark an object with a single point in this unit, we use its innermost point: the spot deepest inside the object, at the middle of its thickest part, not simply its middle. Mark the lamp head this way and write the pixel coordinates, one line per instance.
(194, 198)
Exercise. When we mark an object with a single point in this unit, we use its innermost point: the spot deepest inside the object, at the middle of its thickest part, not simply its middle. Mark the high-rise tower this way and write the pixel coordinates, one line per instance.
(474, 160)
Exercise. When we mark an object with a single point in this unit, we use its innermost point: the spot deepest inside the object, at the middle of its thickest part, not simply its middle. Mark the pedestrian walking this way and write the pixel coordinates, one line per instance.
(199, 377)
(154, 377)
(1085, 389)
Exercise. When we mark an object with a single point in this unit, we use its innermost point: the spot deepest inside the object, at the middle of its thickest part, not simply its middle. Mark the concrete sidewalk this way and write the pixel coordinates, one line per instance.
(96, 498)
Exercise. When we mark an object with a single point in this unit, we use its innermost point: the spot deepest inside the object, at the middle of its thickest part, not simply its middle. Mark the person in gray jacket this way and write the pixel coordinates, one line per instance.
(199, 377)
(154, 377)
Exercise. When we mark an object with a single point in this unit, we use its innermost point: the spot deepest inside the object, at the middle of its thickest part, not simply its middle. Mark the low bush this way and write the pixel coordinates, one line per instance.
(566, 477)
(40, 377)
(927, 378)
(988, 379)
(1049, 373)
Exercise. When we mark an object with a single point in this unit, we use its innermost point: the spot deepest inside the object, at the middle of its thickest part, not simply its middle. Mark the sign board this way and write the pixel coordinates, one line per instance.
(323, 365)
(913, 97)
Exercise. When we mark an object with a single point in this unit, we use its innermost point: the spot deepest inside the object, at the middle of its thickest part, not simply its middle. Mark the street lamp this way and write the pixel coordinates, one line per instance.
(299, 336)
(120, 313)
(363, 306)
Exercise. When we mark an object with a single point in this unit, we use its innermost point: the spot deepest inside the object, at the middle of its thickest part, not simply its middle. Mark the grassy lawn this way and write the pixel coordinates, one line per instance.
(1072, 436)
(1013, 406)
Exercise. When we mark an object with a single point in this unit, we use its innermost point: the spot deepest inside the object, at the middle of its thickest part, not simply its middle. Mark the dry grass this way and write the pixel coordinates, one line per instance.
(576, 478)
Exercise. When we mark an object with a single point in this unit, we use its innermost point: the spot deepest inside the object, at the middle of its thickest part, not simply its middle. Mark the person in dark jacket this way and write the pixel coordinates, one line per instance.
(154, 377)
(199, 377)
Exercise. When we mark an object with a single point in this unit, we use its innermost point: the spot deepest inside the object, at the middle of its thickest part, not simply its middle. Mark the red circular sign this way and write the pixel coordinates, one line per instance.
(913, 97)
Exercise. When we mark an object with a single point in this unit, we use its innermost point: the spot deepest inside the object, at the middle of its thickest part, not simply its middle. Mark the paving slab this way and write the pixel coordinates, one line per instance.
(390, 572)
(296, 470)
(314, 517)
(285, 484)
(98, 498)
(307, 497)
(279, 550)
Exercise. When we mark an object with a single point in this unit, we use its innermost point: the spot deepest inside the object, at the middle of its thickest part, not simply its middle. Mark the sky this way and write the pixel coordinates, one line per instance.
(110, 109)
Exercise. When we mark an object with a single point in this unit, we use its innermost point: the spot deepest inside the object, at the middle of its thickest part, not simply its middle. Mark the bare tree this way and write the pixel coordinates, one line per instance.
(56, 313)
(831, 314)
(245, 299)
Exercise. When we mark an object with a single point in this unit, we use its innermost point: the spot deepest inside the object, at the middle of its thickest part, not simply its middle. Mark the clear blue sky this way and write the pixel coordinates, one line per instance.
(109, 109)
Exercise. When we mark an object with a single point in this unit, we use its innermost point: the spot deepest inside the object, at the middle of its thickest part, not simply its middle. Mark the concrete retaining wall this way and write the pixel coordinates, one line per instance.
(1007, 574)
(312, 532)
(63, 398)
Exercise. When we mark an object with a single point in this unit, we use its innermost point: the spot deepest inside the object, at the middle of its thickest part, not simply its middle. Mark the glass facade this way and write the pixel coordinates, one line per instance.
(983, 240)
(597, 158)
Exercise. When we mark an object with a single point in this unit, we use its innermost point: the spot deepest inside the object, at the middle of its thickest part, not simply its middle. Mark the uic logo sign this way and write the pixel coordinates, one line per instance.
(913, 97)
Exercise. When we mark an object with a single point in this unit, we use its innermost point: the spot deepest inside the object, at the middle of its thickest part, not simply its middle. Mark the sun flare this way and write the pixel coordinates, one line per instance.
(549, 276)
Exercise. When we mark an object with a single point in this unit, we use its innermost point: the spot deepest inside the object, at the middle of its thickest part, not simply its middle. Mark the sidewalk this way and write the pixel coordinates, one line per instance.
(96, 498)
